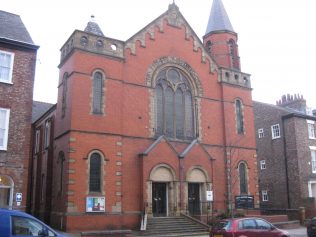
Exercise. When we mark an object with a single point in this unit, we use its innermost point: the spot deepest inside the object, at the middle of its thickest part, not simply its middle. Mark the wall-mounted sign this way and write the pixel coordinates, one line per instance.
(209, 196)
(244, 201)
(18, 197)
(95, 204)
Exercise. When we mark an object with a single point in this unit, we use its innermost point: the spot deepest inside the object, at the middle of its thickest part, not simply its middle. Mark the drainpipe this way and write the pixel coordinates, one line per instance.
(286, 167)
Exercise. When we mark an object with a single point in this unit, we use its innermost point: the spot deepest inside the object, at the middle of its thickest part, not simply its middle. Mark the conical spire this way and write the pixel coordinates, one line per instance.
(218, 19)
(93, 27)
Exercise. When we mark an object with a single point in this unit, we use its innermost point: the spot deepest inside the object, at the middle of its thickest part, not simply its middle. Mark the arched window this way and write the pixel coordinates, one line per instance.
(243, 184)
(209, 46)
(174, 105)
(64, 95)
(97, 93)
(60, 161)
(233, 54)
(239, 117)
(95, 173)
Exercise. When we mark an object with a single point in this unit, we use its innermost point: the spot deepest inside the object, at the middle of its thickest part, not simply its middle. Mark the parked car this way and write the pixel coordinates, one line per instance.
(311, 228)
(18, 223)
(246, 227)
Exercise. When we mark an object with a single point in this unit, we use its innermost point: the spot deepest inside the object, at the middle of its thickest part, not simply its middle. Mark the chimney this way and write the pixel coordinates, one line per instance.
(296, 102)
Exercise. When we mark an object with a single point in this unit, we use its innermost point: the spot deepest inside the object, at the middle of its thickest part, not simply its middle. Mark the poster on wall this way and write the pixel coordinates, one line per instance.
(95, 204)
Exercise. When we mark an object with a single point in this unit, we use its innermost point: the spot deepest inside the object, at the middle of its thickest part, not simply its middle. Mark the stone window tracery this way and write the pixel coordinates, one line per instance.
(174, 105)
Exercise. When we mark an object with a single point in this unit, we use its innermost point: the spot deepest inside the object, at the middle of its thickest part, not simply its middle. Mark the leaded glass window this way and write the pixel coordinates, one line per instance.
(64, 96)
(95, 173)
(174, 105)
(97, 93)
(239, 117)
(243, 178)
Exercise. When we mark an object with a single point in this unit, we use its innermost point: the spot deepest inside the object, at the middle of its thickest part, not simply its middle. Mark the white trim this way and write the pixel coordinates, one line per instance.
(9, 81)
(6, 127)
(263, 164)
(311, 129)
(274, 129)
(265, 196)
(260, 133)
(310, 193)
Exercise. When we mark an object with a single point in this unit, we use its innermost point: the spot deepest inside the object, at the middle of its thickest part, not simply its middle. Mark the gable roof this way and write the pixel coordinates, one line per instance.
(39, 109)
(218, 19)
(174, 18)
(288, 112)
(12, 28)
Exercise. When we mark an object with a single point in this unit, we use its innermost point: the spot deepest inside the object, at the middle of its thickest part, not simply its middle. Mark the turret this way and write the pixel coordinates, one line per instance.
(220, 39)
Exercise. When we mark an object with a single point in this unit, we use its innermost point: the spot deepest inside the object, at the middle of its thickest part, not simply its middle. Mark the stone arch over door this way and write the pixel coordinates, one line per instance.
(6, 191)
(165, 175)
(197, 183)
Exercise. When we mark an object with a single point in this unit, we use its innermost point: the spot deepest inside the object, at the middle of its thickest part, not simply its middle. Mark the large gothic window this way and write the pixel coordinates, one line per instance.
(243, 183)
(174, 105)
(239, 117)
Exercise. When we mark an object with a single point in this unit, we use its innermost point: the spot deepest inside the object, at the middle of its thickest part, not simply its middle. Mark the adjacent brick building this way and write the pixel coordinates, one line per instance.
(151, 124)
(286, 145)
(17, 68)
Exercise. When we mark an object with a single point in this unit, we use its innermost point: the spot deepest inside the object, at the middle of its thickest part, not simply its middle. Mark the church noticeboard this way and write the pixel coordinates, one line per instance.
(95, 204)
(244, 202)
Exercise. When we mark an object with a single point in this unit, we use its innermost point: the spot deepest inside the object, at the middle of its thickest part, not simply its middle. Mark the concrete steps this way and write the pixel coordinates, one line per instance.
(173, 226)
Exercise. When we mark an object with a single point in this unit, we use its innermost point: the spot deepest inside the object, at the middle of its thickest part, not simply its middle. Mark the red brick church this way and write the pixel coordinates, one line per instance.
(152, 125)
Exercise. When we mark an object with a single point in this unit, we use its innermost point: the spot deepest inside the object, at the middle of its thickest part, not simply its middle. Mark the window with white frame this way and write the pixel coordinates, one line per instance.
(265, 196)
(312, 188)
(263, 164)
(260, 133)
(4, 128)
(275, 129)
(6, 66)
(313, 158)
(311, 129)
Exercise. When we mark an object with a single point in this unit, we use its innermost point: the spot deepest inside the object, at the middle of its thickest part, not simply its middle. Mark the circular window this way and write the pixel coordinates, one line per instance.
(114, 47)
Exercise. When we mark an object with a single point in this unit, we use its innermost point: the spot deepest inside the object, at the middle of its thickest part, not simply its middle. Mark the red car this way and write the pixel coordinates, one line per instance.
(246, 227)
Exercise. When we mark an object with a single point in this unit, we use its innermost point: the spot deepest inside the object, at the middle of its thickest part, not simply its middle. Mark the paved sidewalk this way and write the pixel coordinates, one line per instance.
(297, 232)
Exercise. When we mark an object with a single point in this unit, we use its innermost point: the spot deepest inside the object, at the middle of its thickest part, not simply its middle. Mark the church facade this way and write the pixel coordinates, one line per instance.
(160, 124)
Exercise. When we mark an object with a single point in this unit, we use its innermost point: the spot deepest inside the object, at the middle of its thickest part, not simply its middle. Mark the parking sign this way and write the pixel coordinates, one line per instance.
(18, 197)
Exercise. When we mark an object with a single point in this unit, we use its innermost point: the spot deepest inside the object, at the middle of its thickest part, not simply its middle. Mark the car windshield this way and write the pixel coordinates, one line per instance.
(223, 225)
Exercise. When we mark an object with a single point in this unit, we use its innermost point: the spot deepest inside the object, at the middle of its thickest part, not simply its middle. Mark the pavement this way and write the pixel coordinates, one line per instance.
(297, 232)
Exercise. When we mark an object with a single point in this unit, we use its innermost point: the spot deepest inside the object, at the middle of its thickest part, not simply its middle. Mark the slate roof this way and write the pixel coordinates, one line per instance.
(39, 109)
(286, 110)
(12, 28)
(93, 27)
(218, 19)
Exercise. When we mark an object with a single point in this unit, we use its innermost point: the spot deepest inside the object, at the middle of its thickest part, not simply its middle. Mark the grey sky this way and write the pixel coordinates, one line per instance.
(275, 37)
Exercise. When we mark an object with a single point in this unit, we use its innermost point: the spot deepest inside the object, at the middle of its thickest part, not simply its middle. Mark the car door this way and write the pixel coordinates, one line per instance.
(246, 228)
(25, 227)
(265, 229)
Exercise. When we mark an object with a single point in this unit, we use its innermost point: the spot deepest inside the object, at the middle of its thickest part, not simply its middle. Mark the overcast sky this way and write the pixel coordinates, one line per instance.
(276, 38)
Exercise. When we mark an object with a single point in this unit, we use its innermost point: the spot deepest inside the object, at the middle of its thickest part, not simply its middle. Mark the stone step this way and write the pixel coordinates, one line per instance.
(173, 226)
